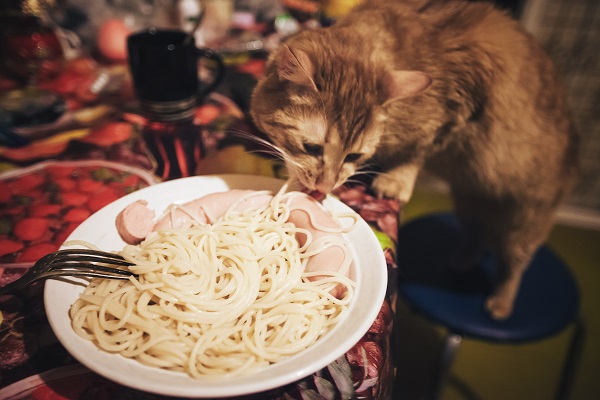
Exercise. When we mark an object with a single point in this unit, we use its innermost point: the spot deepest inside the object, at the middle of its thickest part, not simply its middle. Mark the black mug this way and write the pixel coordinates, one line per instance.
(164, 68)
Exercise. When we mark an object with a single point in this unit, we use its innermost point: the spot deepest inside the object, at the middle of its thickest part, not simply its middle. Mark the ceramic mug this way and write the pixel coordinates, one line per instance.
(164, 68)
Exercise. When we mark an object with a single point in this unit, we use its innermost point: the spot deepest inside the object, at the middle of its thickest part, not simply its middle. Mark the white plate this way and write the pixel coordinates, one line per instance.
(99, 229)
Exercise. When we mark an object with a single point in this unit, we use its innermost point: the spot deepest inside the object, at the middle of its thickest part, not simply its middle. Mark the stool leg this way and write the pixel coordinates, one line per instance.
(451, 345)
(571, 362)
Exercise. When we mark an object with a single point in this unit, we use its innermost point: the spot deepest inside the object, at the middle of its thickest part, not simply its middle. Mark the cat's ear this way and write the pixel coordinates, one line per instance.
(403, 84)
(295, 66)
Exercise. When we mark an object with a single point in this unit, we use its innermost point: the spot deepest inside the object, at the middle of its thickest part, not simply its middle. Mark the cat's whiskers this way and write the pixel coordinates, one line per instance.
(271, 149)
(366, 169)
(280, 154)
(365, 173)
(355, 182)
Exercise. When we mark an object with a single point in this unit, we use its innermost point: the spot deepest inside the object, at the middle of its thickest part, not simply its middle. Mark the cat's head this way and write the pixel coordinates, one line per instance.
(324, 110)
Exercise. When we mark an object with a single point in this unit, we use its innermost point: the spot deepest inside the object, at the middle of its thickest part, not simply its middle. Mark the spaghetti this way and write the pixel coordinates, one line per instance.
(218, 299)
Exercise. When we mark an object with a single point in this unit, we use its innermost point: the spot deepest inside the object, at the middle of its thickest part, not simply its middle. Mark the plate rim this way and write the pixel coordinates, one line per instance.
(221, 387)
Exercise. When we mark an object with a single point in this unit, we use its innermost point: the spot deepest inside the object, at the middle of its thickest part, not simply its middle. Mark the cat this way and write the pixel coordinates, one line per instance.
(456, 87)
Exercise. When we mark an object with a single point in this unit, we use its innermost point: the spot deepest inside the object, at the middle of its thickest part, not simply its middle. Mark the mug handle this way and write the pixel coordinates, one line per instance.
(219, 73)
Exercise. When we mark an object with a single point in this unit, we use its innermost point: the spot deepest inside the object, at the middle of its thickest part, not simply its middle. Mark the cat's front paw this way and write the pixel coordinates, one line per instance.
(397, 184)
(386, 186)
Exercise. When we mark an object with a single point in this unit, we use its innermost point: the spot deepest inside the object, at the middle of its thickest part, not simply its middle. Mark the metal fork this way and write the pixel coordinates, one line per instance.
(73, 262)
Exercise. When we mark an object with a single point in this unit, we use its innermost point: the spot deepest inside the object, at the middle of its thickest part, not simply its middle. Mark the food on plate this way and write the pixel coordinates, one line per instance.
(224, 285)
(135, 222)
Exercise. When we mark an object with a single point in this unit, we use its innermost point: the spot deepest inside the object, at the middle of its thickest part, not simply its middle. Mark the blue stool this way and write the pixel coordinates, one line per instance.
(547, 302)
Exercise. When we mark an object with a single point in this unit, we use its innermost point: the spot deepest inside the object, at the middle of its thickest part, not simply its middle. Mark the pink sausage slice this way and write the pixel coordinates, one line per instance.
(330, 259)
(209, 208)
(135, 222)
(304, 206)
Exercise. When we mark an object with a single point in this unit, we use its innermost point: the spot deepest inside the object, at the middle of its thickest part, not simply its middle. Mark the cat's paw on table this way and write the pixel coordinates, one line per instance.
(394, 186)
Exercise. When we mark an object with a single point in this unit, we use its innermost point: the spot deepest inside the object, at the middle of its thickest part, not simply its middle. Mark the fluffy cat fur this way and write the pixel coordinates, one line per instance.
(453, 86)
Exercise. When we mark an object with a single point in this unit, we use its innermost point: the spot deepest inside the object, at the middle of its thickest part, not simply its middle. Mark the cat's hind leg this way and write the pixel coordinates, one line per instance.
(512, 229)
(516, 240)
(512, 264)
(472, 213)
(470, 249)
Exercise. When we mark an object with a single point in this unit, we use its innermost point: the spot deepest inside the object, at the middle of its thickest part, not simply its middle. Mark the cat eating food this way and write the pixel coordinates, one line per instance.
(456, 87)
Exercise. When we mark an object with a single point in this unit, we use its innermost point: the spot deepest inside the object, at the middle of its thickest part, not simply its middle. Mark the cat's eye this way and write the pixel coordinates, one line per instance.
(312, 149)
(352, 157)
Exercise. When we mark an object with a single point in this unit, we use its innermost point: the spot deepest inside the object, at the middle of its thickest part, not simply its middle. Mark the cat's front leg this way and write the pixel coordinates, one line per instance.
(398, 182)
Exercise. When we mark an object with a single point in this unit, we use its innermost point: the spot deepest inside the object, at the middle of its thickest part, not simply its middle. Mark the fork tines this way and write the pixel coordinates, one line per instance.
(88, 255)
(74, 262)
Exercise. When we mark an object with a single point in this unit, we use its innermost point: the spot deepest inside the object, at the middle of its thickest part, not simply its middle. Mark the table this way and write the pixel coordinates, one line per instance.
(92, 155)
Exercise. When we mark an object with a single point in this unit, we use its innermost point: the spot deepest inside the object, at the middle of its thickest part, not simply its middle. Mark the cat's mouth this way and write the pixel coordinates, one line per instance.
(315, 194)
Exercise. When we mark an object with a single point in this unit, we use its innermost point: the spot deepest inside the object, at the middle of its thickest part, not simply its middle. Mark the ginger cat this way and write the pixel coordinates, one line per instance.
(457, 87)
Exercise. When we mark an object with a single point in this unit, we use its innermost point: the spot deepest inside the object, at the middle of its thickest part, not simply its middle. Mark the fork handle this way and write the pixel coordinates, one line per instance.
(14, 285)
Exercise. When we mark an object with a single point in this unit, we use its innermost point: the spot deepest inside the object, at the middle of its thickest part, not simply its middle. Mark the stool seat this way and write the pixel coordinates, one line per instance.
(547, 301)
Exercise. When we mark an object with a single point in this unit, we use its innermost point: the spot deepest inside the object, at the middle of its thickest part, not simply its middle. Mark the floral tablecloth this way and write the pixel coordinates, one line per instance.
(71, 167)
